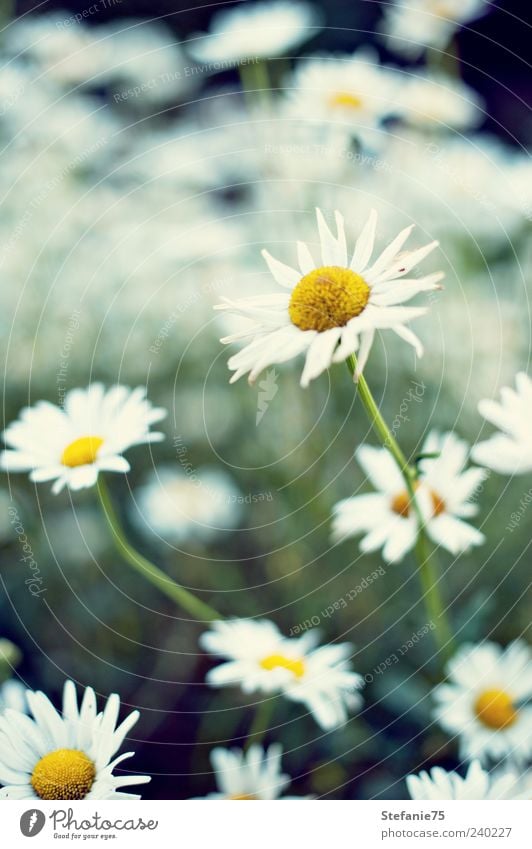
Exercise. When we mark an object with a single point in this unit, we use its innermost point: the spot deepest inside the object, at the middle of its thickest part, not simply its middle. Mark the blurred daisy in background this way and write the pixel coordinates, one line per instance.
(412, 26)
(249, 775)
(349, 92)
(255, 31)
(476, 784)
(486, 701)
(521, 787)
(129, 52)
(509, 452)
(71, 445)
(180, 507)
(334, 306)
(435, 100)
(443, 494)
(49, 756)
(261, 660)
(13, 696)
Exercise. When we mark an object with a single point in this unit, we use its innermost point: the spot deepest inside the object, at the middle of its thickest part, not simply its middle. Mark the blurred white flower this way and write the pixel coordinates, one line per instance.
(261, 660)
(13, 696)
(255, 31)
(477, 784)
(443, 495)
(136, 53)
(71, 445)
(50, 756)
(434, 100)
(521, 781)
(411, 26)
(353, 92)
(486, 701)
(463, 186)
(181, 507)
(249, 775)
(509, 452)
(334, 306)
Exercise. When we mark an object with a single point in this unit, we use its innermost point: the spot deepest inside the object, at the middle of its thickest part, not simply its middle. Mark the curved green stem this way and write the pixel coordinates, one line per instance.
(193, 605)
(427, 570)
(261, 722)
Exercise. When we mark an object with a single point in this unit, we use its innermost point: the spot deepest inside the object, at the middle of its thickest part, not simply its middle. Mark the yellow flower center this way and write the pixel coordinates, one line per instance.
(244, 797)
(345, 100)
(401, 503)
(327, 297)
(63, 774)
(276, 661)
(495, 709)
(82, 451)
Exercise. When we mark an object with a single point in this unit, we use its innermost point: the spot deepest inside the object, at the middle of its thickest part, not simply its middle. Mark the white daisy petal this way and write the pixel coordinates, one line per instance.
(364, 244)
(304, 256)
(509, 452)
(283, 274)
(319, 354)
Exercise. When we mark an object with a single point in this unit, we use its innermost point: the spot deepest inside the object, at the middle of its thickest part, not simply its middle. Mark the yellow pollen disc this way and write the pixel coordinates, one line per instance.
(438, 504)
(345, 100)
(241, 798)
(401, 503)
(82, 451)
(328, 297)
(63, 774)
(274, 661)
(495, 709)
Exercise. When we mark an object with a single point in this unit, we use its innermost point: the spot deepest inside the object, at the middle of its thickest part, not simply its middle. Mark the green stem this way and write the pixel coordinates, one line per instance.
(261, 722)
(431, 594)
(193, 605)
(255, 81)
(380, 426)
(427, 570)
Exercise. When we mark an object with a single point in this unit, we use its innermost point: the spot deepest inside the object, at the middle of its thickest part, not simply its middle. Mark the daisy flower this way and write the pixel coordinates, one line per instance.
(332, 307)
(73, 443)
(179, 507)
(49, 756)
(412, 26)
(352, 89)
(485, 701)
(509, 452)
(255, 774)
(260, 659)
(476, 785)
(443, 495)
(428, 99)
(255, 30)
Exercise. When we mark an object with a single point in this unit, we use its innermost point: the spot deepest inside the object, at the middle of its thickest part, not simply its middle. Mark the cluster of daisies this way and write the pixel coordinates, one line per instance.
(331, 310)
(331, 303)
(485, 704)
